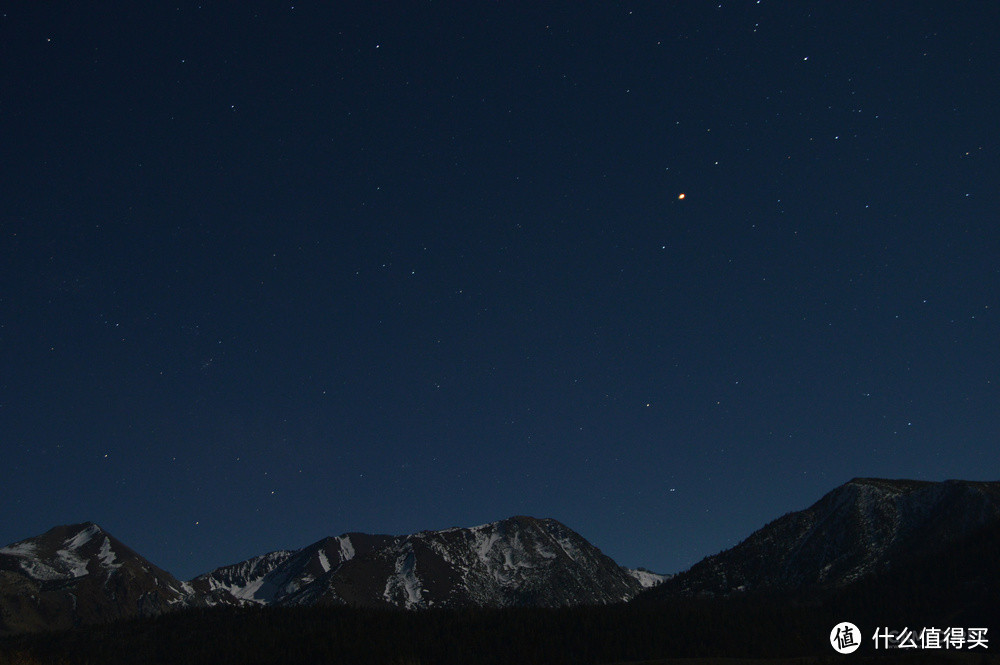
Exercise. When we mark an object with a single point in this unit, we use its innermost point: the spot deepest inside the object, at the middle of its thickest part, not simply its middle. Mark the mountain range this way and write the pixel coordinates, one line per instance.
(81, 574)
(861, 533)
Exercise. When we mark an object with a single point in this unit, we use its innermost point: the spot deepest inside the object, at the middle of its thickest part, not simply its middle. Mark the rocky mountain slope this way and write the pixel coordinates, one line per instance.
(862, 528)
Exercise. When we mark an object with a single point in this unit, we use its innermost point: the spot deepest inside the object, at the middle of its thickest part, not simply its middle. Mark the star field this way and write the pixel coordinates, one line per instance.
(664, 273)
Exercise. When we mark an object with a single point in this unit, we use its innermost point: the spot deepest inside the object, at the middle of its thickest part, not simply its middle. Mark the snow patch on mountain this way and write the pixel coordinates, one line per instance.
(74, 565)
(346, 549)
(646, 578)
(40, 571)
(403, 585)
(83, 537)
(323, 561)
(107, 555)
(484, 542)
(23, 549)
(246, 591)
(568, 547)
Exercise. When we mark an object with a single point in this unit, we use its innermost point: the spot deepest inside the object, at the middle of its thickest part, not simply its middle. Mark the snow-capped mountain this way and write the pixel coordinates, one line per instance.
(274, 578)
(866, 526)
(79, 574)
(518, 561)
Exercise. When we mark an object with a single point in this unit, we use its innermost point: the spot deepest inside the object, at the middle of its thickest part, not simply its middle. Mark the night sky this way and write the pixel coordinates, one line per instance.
(662, 271)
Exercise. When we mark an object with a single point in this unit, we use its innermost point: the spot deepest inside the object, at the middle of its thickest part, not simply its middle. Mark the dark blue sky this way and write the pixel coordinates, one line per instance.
(270, 272)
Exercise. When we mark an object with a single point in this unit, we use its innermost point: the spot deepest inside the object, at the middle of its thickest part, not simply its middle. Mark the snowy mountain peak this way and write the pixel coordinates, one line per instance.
(79, 573)
(64, 553)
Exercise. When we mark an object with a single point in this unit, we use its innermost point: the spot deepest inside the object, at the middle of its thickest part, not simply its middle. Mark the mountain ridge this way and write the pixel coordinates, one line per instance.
(864, 527)
(78, 574)
(454, 566)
